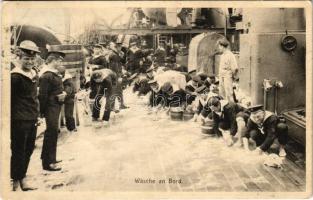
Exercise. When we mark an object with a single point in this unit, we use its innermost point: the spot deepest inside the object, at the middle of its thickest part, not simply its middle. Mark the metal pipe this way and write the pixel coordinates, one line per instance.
(264, 98)
(14, 36)
(267, 86)
(278, 84)
(275, 99)
(225, 30)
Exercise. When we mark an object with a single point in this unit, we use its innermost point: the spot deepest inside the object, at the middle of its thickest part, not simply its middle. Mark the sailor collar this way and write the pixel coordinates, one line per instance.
(223, 104)
(209, 95)
(49, 69)
(31, 74)
(66, 76)
(96, 56)
(134, 49)
(267, 115)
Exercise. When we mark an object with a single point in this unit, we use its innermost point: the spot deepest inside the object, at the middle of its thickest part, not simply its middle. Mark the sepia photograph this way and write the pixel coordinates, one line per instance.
(156, 100)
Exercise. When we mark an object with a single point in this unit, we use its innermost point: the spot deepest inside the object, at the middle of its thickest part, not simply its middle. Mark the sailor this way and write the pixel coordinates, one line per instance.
(147, 57)
(98, 59)
(173, 53)
(134, 58)
(191, 87)
(101, 84)
(115, 64)
(203, 96)
(24, 113)
(141, 85)
(159, 55)
(225, 117)
(51, 97)
(69, 100)
(150, 73)
(178, 98)
(190, 74)
(264, 127)
(228, 70)
(157, 98)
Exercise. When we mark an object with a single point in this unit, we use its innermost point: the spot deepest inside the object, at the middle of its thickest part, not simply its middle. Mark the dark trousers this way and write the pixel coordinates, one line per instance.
(218, 124)
(118, 93)
(109, 105)
(23, 136)
(49, 148)
(190, 98)
(69, 118)
(267, 139)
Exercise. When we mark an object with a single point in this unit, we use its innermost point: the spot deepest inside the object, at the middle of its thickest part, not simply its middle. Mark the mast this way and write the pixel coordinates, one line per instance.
(67, 20)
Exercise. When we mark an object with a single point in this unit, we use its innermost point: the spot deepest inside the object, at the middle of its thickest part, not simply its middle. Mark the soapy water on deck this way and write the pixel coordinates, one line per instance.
(93, 159)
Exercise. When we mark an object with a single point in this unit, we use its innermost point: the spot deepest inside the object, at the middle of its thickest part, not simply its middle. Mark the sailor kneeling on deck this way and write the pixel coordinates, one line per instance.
(228, 120)
(263, 127)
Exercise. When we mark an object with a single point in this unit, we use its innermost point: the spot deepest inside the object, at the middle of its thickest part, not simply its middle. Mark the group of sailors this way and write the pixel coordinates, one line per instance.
(38, 91)
(110, 69)
(215, 101)
(42, 88)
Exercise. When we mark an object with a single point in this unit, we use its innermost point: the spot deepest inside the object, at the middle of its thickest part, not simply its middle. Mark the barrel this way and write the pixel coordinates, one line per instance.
(188, 116)
(207, 128)
(73, 61)
(176, 115)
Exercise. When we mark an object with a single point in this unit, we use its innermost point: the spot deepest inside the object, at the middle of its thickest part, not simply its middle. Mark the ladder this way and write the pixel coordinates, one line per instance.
(161, 39)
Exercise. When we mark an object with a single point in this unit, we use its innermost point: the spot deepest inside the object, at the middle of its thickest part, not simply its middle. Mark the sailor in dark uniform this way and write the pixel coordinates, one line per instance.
(157, 97)
(101, 85)
(24, 113)
(69, 100)
(191, 87)
(225, 118)
(263, 127)
(51, 97)
(98, 58)
(190, 74)
(134, 58)
(141, 83)
(160, 55)
(115, 64)
(147, 57)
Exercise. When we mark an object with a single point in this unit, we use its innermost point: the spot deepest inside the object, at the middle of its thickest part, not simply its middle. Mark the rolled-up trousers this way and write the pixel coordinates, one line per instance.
(23, 136)
(49, 148)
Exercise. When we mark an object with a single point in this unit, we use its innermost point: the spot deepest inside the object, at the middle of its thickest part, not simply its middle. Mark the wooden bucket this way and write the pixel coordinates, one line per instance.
(176, 115)
(188, 116)
(207, 128)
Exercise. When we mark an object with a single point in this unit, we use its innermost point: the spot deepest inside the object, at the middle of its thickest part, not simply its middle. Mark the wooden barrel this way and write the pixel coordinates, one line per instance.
(188, 116)
(74, 60)
(176, 115)
(207, 128)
